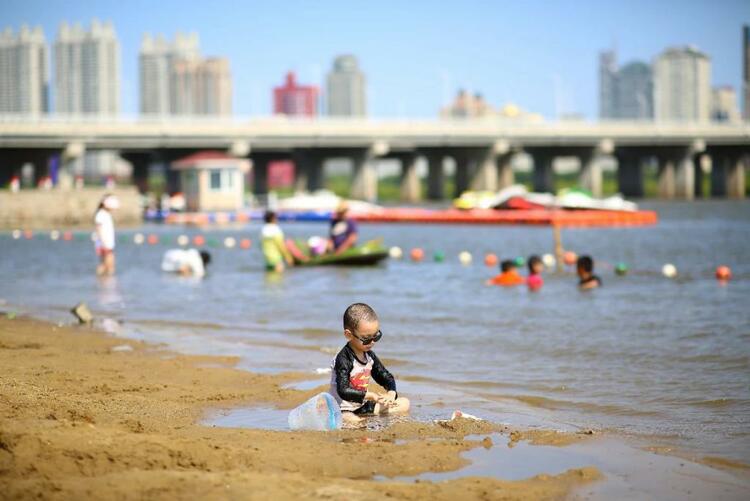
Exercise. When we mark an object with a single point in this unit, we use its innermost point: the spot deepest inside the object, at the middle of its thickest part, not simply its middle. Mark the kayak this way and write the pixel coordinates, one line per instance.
(367, 254)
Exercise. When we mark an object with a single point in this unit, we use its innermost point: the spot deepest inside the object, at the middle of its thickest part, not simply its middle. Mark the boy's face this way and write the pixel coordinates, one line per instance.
(365, 330)
(537, 267)
(581, 272)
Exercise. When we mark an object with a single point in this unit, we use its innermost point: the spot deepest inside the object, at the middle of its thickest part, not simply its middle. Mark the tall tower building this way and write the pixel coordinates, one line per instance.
(682, 85)
(23, 71)
(724, 104)
(625, 93)
(746, 71)
(294, 99)
(87, 70)
(346, 88)
(156, 59)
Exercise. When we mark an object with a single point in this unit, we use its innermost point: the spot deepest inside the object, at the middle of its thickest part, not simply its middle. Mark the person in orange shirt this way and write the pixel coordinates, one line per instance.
(508, 276)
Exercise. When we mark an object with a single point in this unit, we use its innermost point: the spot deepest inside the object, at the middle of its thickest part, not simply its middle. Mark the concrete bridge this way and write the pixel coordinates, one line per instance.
(482, 149)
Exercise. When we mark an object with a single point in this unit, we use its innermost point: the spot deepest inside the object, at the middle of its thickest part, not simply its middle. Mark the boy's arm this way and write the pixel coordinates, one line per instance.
(343, 368)
(381, 375)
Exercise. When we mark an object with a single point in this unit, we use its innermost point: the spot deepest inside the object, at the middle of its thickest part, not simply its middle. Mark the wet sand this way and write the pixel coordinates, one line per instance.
(80, 420)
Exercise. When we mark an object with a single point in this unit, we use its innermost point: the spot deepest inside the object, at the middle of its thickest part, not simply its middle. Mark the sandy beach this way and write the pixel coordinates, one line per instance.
(79, 420)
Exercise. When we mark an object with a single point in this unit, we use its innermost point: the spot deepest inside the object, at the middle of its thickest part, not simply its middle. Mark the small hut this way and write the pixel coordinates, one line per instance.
(212, 181)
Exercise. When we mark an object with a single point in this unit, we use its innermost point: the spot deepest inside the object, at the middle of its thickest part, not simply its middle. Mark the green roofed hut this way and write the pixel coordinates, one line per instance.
(212, 181)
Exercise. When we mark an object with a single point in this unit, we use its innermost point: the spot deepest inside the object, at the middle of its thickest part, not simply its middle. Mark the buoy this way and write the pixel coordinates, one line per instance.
(67, 236)
(16, 234)
(439, 256)
(621, 269)
(669, 270)
(28, 234)
(549, 260)
(54, 235)
(490, 259)
(230, 242)
(570, 258)
(183, 240)
(245, 243)
(395, 252)
(199, 240)
(138, 238)
(723, 273)
(153, 239)
(519, 262)
(464, 258)
(416, 254)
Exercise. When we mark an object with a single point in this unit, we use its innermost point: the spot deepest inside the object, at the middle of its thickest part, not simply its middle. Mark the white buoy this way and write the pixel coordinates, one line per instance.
(465, 258)
(138, 239)
(549, 260)
(16, 234)
(54, 235)
(669, 270)
(183, 240)
(230, 242)
(395, 252)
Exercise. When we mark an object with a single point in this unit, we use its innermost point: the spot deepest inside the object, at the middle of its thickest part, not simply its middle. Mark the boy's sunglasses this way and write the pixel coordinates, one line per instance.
(369, 340)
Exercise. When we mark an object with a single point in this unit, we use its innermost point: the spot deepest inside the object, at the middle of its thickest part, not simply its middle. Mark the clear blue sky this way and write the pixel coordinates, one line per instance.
(541, 55)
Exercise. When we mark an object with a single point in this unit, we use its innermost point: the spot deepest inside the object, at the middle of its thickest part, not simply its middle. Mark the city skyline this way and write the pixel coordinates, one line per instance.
(547, 68)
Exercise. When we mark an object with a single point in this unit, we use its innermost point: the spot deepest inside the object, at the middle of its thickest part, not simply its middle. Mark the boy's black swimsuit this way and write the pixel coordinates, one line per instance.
(351, 376)
(592, 278)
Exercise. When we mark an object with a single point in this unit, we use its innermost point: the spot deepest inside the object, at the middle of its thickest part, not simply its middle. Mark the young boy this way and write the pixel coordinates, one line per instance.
(356, 363)
(508, 277)
(187, 262)
(535, 281)
(585, 270)
(274, 248)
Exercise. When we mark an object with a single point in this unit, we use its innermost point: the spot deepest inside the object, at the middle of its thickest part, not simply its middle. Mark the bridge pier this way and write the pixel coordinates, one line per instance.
(365, 177)
(630, 174)
(141, 161)
(590, 177)
(435, 176)
(308, 170)
(543, 176)
(505, 175)
(260, 173)
(685, 177)
(463, 175)
(411, 189)
(728, 176)
(484, 170)
(666, 178)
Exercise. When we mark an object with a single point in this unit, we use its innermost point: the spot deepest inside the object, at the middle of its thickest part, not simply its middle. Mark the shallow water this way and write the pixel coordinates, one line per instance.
(644, 354)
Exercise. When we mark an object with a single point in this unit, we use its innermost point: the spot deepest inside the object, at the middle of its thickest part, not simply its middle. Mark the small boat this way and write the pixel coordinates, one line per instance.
(368, 254)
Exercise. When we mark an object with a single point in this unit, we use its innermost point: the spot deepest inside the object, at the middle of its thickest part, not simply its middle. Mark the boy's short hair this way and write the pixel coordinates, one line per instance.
(357, 313)
(205, 257)
(507, 265)
(532, 261)
(269, 216)
(585, 263)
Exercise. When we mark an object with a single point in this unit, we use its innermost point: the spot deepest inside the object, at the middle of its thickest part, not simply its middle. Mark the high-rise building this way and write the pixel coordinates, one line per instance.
(746, 71)
(346, 88)
(87, 70)
(294, 99)
(156, 58)
(23, 71)
(177, 80)
(625, 93)
(201, 87)
(682, 85)
(724, 104)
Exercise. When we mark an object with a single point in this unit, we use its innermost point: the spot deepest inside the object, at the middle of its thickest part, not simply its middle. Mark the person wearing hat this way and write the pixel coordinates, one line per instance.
(343, 232)
(104, 242)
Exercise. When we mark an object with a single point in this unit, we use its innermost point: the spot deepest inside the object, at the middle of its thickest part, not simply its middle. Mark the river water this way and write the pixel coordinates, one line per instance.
(643, 355)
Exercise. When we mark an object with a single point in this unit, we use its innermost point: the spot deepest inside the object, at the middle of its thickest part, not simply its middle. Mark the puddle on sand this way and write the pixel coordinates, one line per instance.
(516, 463)
(307, 384)
(264, 418)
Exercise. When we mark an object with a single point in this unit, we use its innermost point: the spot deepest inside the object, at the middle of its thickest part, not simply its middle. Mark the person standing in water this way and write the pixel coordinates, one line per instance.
(104, 243)
(274, 248)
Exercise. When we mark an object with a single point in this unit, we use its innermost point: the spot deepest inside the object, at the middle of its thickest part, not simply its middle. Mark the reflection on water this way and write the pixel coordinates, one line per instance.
(644, 354)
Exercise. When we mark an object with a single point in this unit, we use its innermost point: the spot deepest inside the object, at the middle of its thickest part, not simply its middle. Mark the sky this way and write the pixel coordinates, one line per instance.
(540, 55)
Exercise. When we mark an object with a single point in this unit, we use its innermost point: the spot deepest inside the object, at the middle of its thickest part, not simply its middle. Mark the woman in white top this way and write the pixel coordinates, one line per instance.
(105, 235)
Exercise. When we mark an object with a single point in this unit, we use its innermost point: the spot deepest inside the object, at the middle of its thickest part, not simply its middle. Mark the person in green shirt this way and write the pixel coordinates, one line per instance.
(275, 251)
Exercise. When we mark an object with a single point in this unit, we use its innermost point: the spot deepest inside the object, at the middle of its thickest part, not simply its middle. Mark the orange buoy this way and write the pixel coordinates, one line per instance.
(152, 239)
(28, 234)
(245, 243)
(417, 254)
(199, 240)
(570, 258)
(68, 236)
(723, 273)
(490, 259)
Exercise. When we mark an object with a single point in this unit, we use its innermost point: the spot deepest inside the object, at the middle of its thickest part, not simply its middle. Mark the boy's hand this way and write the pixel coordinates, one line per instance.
(371, 395)
(389, 399)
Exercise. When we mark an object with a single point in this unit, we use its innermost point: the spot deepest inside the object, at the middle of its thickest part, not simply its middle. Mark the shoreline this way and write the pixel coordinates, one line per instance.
(81, 420)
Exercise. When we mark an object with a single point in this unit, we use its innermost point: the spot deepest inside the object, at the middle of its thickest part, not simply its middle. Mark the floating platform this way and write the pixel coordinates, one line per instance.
(533, 217)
